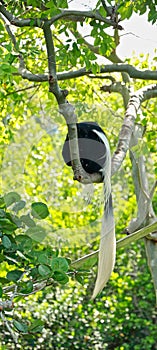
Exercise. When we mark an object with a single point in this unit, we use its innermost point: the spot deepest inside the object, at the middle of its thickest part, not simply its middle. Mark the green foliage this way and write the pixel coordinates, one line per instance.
(26, 264)
(126, 11)
(123, 317)
(127, 7)
(44, 218)
(39, 264)
(14, 275)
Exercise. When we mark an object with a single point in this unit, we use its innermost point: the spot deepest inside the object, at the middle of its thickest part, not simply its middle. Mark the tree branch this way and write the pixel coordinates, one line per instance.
(24, 89)
(128, 125)
(53, 82)
(20, 22)
(36, 22)
(112, 68)
(84, 14)
(119, 88)
(109, 68)
(66, 109)
(120, 244)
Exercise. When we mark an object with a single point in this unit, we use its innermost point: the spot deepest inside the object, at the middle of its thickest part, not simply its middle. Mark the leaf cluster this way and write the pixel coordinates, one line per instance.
(122, 317)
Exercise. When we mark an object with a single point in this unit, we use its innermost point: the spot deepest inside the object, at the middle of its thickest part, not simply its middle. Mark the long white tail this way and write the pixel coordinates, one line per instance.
(107, 249)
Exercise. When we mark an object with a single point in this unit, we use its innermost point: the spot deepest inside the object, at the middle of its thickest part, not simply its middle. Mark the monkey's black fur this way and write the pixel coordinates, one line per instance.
(91, 148)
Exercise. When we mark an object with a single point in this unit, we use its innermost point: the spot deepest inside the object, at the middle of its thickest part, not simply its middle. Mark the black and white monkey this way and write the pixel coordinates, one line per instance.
(94, 151)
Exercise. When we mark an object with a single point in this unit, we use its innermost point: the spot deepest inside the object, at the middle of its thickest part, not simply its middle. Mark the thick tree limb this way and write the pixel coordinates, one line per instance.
(112, 68)
(36, 22)
(53, 81)
(66, 109)
(109, 68)
(128, 125)
(145, 212)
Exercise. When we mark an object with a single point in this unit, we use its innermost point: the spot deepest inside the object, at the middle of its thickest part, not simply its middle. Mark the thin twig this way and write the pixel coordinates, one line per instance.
(21, 90)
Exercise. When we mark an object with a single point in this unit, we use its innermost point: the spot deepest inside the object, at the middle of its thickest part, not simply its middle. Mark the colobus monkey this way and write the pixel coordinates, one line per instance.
(95, 156)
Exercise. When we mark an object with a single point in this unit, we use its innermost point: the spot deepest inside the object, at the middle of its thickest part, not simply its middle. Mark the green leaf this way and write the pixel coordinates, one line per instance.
(39, 22)
(62, 3)
(34, 273)
(53, 10)
(2, 258)
(3, 280)
(85, 264)
(76, 50)
(6, 242)
(11, 197)
(36, 326)
(152, 16)
(94, 68)
(39, 210)
(19, 205)
(14, 275)
(15, 220)
(1, 291)
(5, 67)
(125, 11)
(24, 242)
(2, 203)
(8, 47)
(32, 22)
(43, 258)
(102, 11)
(2, 27)
(44, 270)
(88, 63)
(21, 327)
(79, 278)
(60, 277)
(26, 287)
(26, 219)
(50, 5)
(6, 224)
(103, 48)
(59, 264)
(97, 41)
(37, 233)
